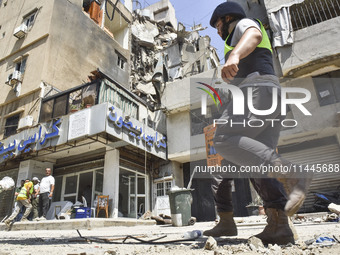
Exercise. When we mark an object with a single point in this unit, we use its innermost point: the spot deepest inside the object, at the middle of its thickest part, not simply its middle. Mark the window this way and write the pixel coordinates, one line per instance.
(327, 88)
(16, 77)
(29, 19)
(311, 12)
(160, 189)
(21, 66)
(77, 99)
(163, 187)
(121, 62)
(11, 125)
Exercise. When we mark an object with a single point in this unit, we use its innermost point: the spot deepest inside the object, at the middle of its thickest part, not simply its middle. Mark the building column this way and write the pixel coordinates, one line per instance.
(111, 180)
(177, 170)
(32, 168)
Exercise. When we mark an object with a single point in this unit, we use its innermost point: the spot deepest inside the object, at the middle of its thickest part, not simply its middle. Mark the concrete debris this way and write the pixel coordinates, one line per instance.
(332, 217)
(161, 221)
(255, 242)
(210, 244)
(110, 253)
(276, 249)
(161, 54)
(146, 216)
(317, 220)
(145, 32)
(334, 208)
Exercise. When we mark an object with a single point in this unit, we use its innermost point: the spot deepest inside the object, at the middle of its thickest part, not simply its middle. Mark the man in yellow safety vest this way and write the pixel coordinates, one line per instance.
(23, 199)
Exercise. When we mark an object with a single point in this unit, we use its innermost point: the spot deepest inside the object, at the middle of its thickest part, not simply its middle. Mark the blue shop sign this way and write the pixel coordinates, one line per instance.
(25, 145)
(157, 140)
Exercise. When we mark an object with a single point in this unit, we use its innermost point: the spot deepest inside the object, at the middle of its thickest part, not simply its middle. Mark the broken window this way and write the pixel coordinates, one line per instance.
(311, 12)
(77, 99)
(327, 87)
(46, 110)
(11, 125)
(60, 105)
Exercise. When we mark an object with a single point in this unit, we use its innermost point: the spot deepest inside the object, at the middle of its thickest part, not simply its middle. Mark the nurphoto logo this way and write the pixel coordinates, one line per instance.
(239, 103)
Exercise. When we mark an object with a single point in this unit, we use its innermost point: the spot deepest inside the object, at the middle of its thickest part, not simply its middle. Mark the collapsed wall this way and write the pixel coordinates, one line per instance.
(161, 54)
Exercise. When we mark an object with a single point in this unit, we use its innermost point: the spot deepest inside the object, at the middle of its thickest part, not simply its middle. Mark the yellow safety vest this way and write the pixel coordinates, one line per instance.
(23, 192)
(265, 43)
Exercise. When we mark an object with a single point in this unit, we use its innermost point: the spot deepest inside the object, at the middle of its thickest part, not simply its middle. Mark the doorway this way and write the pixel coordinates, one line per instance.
(132, 193)
(87, 184)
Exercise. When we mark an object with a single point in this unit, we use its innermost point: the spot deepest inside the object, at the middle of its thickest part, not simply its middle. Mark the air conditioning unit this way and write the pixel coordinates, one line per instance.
(25, 122)
(20, 31)
(15, 78)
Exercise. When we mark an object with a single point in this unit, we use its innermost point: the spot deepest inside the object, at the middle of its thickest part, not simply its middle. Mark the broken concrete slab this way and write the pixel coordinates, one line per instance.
(145, 32)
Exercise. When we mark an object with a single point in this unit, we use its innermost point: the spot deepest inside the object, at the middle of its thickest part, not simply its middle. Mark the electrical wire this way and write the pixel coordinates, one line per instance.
(113, 11)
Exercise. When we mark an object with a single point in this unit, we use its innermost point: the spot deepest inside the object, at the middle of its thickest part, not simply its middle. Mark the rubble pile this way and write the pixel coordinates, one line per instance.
(161, 53)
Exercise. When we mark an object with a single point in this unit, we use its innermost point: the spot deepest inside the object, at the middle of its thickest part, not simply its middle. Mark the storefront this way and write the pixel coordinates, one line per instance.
(94, 151)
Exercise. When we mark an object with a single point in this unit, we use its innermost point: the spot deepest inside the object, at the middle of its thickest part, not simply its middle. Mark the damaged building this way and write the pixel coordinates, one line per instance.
(81, 83)
(163, 51)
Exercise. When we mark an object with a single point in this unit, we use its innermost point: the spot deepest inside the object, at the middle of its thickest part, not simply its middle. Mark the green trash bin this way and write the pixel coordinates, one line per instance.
(180, 207)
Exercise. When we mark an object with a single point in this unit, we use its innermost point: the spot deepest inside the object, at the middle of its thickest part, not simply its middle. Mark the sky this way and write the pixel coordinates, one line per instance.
(190, 12)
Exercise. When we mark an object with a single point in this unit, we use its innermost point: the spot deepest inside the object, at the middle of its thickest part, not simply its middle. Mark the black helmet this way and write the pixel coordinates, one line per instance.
(228, 8)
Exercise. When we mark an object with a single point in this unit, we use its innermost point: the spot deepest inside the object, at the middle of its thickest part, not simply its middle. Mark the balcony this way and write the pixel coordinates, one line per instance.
(311, 12)
(84, 96)
(316, 34)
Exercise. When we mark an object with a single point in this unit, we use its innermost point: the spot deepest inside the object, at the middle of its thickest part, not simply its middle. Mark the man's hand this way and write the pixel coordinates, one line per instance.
(51, 194)
(230, 68)
(247, 44)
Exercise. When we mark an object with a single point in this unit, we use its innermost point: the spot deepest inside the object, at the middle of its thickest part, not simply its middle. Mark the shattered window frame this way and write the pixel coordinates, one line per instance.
(71, 103)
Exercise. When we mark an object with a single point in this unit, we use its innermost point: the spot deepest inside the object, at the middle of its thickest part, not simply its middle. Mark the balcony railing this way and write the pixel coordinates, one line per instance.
(311, 12)
(85, 96)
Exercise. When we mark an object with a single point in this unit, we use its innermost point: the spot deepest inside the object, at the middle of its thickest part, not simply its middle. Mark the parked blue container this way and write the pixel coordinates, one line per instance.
(83, 212)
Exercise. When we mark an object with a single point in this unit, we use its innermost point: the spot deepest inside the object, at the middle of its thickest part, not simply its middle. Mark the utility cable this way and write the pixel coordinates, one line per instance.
(113, 11)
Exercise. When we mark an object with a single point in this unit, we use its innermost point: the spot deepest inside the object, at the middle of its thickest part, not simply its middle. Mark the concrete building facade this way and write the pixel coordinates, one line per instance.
(71, 104)
(49, 120)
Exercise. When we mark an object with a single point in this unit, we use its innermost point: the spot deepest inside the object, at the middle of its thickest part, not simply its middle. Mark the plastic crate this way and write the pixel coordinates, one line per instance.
(83, 212)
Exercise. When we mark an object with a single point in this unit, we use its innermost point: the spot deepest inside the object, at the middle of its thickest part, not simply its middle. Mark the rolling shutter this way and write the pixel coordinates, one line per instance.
(322, 182)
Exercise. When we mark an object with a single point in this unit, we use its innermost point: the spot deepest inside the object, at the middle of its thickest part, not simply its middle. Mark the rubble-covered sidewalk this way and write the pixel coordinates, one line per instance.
(110, 240)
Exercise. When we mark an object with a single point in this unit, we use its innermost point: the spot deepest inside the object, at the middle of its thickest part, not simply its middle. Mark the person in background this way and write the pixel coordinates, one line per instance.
(45, 193)
(17, 191)
(23, 199)
(35, 198)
